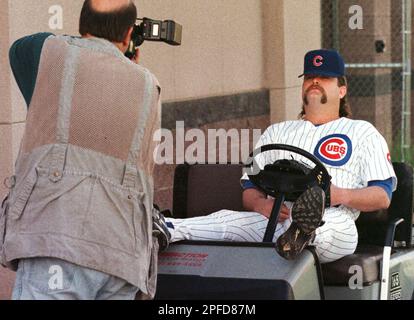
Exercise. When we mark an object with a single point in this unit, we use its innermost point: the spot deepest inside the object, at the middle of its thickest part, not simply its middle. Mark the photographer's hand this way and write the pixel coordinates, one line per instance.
(135, 58)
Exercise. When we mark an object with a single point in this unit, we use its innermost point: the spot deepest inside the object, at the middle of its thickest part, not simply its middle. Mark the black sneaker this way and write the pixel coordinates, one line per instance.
(160, 230)
(307, 213)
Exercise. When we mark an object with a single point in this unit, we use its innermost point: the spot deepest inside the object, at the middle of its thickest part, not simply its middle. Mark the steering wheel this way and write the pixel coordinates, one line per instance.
(284, 181)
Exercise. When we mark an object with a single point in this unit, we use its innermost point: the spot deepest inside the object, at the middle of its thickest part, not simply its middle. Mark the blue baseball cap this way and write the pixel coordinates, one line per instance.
(328, 63)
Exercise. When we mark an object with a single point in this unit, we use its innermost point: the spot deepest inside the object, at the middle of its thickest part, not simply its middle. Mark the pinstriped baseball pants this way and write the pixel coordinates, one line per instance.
(337, 238)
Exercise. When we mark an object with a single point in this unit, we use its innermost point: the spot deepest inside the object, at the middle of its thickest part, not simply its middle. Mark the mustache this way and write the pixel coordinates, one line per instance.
(322, 90)
(324, 98)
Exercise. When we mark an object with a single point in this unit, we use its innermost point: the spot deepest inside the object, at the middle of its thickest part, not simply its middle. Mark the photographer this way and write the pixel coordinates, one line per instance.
(79, 214)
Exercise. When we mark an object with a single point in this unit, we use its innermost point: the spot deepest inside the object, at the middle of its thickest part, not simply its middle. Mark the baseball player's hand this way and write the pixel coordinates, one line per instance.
(284, 214)
(256, 201)
(266, 210)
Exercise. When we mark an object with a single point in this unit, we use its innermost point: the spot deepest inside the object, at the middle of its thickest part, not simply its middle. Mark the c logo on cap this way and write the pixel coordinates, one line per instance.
(318, 61)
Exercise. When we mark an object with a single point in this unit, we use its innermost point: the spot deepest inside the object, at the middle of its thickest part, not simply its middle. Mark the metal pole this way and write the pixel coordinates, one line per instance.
(374, 65)
(406, 83)
(335, 25)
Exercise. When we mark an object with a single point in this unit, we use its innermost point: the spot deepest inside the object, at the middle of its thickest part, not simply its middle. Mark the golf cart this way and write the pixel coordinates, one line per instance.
(381, 268)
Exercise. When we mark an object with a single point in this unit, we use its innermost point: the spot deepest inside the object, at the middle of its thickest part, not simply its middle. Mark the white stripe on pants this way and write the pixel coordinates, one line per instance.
(337, 238)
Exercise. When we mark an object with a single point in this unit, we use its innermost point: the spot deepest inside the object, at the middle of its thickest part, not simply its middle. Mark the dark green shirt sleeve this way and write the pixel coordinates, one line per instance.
(24, 58)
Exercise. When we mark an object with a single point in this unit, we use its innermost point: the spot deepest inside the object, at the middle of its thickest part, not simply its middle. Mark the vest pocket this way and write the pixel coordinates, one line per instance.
(56, 208)
(112, 217)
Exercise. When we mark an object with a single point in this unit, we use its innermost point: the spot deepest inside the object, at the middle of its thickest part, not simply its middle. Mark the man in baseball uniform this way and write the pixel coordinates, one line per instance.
(354, 153)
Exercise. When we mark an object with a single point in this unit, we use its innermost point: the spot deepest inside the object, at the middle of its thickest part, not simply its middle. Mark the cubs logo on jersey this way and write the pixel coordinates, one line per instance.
(334, 150)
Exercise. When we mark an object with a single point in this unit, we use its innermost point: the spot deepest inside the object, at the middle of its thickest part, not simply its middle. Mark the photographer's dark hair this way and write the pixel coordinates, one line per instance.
(344, 107)
(112, 25)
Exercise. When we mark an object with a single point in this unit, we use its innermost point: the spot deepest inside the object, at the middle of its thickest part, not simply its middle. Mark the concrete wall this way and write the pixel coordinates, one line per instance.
(219, 37)
(291, 28)
(231, 48)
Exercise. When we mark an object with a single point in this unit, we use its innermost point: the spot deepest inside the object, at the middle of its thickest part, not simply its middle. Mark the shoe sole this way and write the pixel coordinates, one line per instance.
(307, 213)
(292, 242)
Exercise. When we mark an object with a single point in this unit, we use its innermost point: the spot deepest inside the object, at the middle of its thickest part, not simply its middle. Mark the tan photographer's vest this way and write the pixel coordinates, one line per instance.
(83, 187)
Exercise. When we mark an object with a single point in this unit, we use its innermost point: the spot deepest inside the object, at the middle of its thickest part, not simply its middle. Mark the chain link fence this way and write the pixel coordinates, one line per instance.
(374, 38)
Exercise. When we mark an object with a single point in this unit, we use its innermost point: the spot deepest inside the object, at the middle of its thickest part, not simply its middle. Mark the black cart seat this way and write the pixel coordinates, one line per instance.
(372, 228)
(368, 257)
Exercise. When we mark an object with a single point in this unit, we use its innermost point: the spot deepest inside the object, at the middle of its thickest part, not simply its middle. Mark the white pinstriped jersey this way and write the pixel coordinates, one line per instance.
(353, 151)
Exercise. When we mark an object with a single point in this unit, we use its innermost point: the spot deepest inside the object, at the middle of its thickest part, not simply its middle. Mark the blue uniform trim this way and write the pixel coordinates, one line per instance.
(24, 57)
(247, 184)
(384, 184)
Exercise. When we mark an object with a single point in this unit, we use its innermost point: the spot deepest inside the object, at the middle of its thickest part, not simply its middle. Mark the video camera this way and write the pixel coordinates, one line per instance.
(167, 31)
